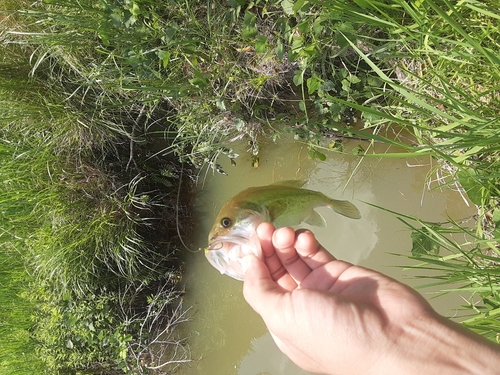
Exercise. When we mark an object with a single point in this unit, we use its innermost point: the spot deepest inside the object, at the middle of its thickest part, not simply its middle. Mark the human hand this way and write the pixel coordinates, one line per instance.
(331, 317)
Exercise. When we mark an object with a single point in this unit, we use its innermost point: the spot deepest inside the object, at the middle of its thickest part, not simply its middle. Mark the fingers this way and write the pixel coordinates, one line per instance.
(277, 271)
(311, 251)
(291, 256)
(284, 243)
(265, 233)
(300, 252)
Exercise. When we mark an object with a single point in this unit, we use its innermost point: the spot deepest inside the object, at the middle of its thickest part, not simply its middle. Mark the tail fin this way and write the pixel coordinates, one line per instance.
(345, 208)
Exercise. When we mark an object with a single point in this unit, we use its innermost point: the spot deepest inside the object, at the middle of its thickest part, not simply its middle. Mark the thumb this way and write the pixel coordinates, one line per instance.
(254, 268)
(259, 289)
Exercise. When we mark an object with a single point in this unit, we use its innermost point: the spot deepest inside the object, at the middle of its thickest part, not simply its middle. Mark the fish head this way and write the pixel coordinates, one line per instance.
(237, 218)
(233, 236)
(226, 254)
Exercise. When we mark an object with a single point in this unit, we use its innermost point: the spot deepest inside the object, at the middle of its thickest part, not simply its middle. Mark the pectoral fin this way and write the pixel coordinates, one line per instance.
(292, 218)
(315, 219)
(344, 208)
(276, 210)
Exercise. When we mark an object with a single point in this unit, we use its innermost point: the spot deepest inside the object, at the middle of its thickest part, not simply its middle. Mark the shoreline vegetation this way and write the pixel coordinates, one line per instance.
(110, 108)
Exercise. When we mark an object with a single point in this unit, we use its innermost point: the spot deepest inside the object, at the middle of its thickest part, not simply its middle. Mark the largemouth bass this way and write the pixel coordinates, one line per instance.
(283, 203)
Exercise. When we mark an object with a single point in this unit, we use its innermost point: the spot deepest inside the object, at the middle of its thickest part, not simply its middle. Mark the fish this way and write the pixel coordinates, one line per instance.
(284, 203)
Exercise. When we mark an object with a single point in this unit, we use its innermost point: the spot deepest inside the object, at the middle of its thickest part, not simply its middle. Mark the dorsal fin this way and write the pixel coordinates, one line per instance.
(291, 183)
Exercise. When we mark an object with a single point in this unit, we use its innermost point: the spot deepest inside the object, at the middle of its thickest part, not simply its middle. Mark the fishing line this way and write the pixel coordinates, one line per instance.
(177, 213)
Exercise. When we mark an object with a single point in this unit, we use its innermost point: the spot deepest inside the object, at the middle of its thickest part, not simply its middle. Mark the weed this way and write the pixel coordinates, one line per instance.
(469, 268)
(81, 213)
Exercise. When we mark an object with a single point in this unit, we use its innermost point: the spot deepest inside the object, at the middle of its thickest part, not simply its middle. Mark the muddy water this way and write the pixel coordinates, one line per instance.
(225, 335)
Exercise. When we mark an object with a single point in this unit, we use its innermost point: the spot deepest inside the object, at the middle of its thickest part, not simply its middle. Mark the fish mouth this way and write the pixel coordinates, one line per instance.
(226, 253)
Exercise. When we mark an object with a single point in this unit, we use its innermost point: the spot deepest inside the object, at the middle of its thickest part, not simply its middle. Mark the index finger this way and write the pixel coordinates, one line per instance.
(284, 242)
(276, 269)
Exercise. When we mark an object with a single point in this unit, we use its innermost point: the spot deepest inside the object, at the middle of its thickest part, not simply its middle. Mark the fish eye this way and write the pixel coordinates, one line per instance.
(226, 222)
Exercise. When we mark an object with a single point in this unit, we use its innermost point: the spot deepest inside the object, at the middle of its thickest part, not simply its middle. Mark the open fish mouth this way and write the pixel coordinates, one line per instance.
(226, 253)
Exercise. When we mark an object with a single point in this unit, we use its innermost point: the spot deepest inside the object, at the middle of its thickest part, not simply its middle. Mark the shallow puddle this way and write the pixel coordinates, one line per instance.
(225, 335)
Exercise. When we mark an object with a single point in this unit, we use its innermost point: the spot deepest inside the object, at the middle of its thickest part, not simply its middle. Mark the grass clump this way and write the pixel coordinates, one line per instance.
(81, 216)
(468, 267)
(18, 346)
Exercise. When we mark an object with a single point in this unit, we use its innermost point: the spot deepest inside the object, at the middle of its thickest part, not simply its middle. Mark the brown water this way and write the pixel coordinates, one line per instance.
(226, 336)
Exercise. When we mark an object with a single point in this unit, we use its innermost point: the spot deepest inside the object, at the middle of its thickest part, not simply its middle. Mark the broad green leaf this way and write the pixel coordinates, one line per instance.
(315, 154)
(287, 6)
(199, 81)
(476, 192)
(220, 104)
(298, 78)
(239, 124)
(280, 50)
(164, 57)
(299, 4)
(260, 44)
(313, 83)
(353, 79)
(327, 85)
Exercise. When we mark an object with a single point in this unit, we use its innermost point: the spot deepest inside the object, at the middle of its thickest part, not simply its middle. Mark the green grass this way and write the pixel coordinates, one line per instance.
(80, 215)
(108, 104)
(469, 268)
(18, 346)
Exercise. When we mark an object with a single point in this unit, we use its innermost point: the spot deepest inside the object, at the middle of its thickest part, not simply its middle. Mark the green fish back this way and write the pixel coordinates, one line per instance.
(288, 204)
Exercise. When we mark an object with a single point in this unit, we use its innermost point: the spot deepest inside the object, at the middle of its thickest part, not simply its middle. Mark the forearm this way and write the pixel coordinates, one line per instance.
(436, 345)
